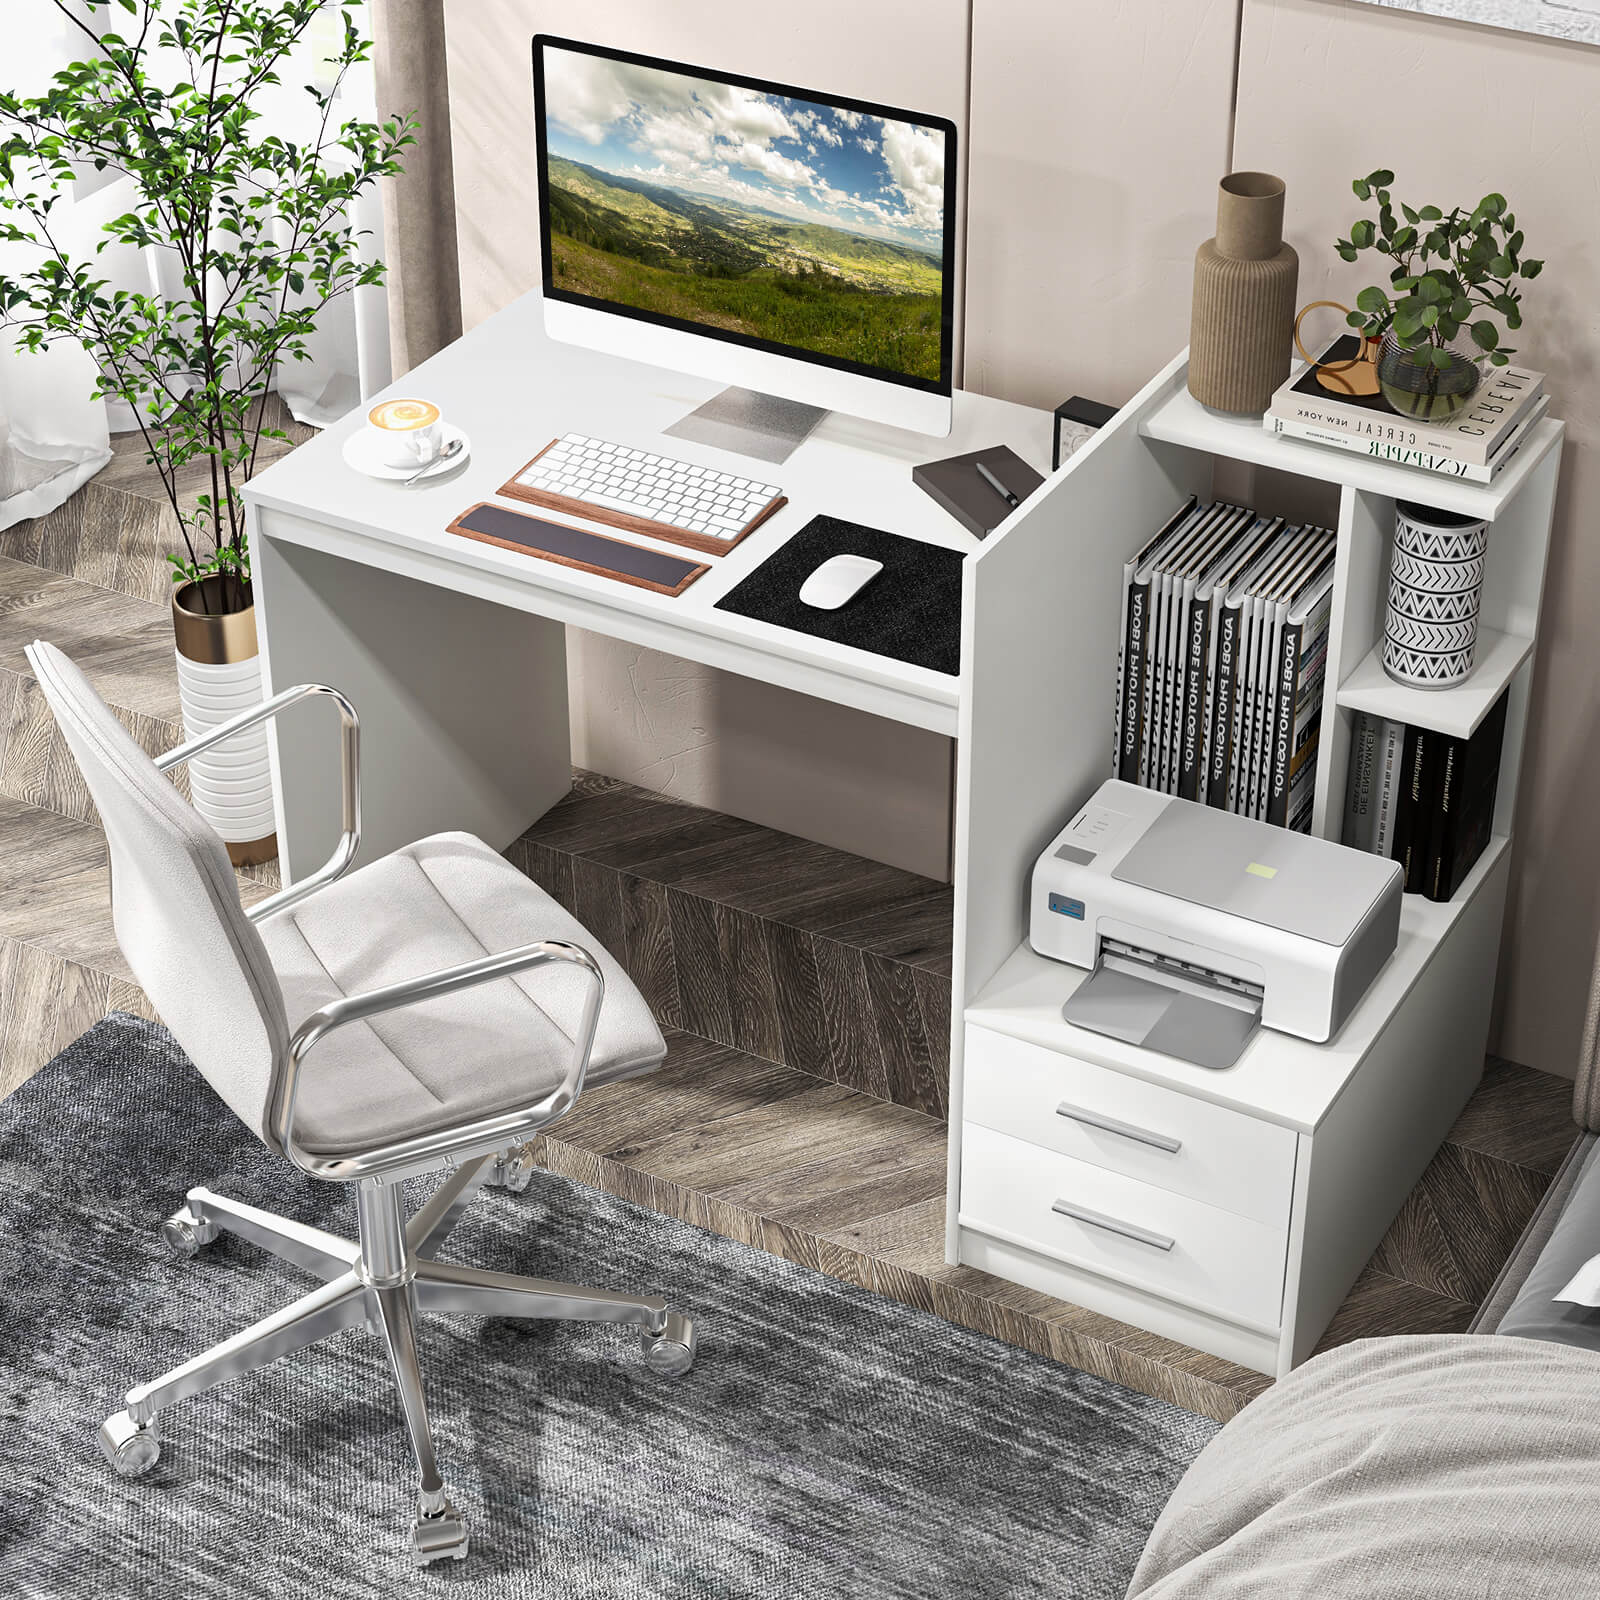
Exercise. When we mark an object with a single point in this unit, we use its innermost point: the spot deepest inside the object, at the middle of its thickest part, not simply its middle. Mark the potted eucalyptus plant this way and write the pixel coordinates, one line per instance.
(1453, 273)
(255, 228)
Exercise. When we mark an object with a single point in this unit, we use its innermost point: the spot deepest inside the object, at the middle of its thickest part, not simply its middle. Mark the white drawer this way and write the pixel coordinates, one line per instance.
(1152, 1238)
(1111, 1120)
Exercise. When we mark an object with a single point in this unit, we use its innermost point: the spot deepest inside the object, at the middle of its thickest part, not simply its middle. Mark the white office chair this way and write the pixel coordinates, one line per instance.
(410, 1074)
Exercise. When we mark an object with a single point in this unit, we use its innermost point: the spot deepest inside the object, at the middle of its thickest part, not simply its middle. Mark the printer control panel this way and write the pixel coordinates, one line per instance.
(1095, 821)
(1093, 829)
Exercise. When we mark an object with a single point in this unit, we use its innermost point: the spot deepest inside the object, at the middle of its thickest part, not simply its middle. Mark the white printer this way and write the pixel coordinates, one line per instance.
(1199, 924)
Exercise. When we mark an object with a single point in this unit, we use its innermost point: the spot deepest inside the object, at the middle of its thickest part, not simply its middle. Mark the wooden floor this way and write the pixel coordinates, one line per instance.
(804, 991)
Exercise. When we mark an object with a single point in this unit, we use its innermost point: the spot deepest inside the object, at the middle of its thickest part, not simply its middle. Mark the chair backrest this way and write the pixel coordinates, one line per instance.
(175, 905)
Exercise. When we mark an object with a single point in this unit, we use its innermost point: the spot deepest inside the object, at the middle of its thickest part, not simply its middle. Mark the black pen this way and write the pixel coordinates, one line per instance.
(995, 484)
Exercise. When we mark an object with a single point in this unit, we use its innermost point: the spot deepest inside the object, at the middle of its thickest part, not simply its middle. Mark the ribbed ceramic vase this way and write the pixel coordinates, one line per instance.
(1242, 325)
(219, 675)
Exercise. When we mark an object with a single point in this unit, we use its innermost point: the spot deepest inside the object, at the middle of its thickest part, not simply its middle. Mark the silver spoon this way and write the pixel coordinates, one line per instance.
(449, 453)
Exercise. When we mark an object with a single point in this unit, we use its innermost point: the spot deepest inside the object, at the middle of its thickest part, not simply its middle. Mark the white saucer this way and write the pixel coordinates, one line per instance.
(361, 452)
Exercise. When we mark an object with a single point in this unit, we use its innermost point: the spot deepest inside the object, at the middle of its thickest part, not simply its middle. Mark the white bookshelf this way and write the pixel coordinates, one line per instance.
(1366, 1110)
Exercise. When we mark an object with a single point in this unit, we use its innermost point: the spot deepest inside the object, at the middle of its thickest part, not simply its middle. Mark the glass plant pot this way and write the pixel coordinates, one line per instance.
(1416, 388)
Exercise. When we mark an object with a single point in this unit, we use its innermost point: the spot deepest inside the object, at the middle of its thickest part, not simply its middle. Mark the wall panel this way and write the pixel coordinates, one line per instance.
(1315, 80)
(1099, 133)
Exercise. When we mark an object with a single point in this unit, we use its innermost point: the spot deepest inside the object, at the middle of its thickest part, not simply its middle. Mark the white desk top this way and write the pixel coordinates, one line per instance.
(513, 390)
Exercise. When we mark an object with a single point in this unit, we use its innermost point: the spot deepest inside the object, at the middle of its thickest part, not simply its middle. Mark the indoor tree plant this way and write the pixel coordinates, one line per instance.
(255, 229)
(1453, 273)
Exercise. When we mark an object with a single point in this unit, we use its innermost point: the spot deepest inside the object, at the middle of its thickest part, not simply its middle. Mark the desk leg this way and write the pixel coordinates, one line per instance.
(463, 704)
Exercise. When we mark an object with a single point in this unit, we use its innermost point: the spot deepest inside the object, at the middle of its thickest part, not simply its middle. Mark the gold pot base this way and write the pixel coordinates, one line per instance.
(254, 852)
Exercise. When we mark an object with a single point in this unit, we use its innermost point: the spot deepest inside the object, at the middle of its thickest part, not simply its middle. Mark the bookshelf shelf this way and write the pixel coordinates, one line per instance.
(1181, 419)
(1455, 711)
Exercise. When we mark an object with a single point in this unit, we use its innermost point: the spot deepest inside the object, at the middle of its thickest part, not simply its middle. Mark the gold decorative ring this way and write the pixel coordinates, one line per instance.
(1306, 356)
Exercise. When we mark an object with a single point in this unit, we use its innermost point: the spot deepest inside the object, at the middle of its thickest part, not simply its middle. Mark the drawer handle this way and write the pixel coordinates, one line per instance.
(1094, 1119)
(1128, 1230)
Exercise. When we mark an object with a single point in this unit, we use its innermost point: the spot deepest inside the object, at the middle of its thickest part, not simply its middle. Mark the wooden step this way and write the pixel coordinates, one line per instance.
(771, 945)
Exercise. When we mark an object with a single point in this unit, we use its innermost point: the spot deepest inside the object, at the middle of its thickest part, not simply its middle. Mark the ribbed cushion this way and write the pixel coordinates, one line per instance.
(497, 1047)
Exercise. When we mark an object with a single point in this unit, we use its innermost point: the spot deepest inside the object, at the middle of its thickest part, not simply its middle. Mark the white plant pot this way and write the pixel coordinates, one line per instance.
(219, 675)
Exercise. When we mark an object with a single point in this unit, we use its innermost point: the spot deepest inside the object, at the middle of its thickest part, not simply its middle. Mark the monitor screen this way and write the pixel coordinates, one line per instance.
(747, 211)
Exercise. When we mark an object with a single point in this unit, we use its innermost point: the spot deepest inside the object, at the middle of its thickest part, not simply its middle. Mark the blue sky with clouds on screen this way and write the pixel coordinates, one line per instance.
(802, 159)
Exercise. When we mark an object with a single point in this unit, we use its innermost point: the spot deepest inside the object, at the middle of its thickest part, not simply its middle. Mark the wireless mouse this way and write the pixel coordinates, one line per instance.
(839, 579)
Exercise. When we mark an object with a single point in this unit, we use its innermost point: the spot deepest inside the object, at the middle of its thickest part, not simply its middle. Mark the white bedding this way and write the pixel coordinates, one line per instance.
(1440, 1467)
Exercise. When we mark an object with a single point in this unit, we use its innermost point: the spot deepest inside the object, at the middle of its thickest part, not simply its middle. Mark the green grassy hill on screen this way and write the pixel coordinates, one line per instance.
(744, 269)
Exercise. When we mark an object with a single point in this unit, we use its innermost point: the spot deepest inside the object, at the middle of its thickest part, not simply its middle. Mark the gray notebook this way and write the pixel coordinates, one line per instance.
(961, 489)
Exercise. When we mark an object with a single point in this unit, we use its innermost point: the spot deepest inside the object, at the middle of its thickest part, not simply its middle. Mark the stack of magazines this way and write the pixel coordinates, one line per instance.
(1220, 673)
(1477, 444)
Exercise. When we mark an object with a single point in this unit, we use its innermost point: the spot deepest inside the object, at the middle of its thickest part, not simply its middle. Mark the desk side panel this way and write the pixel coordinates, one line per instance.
(463, 703)
(1040, 615)
(1360, 1164)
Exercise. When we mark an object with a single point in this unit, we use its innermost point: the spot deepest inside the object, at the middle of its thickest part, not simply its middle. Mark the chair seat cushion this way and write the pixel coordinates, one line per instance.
(496, 1047)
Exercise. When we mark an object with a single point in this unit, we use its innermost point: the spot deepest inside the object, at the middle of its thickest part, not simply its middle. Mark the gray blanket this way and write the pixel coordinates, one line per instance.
(1447, 1466)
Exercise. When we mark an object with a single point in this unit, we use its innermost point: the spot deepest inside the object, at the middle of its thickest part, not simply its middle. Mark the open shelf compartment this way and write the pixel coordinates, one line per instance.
(1178, 418)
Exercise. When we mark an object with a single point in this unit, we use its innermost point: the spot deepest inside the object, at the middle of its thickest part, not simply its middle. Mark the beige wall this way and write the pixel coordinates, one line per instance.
(1096, 136)
(1330, 69)
(1099, 131)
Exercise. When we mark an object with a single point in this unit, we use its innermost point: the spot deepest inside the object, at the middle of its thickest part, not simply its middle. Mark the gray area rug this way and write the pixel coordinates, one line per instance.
(828, 1443)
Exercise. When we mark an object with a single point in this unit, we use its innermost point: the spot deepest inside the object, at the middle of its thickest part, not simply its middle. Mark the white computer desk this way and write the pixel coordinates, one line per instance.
(454, 651)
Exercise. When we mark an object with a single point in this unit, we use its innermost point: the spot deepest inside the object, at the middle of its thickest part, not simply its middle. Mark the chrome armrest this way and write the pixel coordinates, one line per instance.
(349, 771)
(430, 1148)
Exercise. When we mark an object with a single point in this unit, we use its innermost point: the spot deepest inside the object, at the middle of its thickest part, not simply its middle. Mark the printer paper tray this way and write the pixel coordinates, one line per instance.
(1179, 1009)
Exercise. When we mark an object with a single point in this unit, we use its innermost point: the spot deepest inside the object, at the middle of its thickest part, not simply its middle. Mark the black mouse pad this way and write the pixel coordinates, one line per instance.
(910, 611)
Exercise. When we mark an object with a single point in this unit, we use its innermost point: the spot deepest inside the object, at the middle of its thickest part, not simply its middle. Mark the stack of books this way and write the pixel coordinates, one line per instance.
(1221, 667)
(1422, 798)
(1476, 444)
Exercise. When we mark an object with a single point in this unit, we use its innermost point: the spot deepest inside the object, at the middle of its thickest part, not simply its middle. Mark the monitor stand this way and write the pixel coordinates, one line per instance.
(750, 423)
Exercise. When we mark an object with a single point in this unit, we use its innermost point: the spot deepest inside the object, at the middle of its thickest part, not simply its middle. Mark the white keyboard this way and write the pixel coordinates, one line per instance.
(647, 493)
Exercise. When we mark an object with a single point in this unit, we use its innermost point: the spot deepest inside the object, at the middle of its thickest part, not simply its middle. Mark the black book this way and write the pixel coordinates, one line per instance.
(1295, 730)
(1402, 811)
(1469, 778)
(1223, 664)
(1132, 669)
(1416, 814)
(1359, 812)
(957, 485)
(1194, 695)
(1232, 531)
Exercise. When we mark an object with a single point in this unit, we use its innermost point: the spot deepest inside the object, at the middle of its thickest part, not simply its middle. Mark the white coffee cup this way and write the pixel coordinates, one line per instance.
(406, 433)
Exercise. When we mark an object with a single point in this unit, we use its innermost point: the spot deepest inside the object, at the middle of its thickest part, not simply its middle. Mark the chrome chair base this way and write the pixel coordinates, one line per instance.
(384, 1283)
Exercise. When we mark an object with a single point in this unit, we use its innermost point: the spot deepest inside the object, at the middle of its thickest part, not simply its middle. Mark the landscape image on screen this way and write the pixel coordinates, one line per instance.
(786, 220)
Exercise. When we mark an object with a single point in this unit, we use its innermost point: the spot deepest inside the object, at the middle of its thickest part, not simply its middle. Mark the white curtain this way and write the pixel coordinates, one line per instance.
(52, 437)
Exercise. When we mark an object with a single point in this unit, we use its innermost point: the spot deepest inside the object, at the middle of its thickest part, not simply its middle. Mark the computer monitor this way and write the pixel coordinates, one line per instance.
(794, 243)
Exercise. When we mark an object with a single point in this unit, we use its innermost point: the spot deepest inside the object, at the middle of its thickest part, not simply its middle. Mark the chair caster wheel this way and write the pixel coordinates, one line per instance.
(439, 1536)
(513, 1169)
(131, 1447)
(670, 1352)
(184, 1234)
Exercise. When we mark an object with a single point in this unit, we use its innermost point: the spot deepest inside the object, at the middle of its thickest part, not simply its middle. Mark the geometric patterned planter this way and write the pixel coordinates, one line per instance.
(1435, 583)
